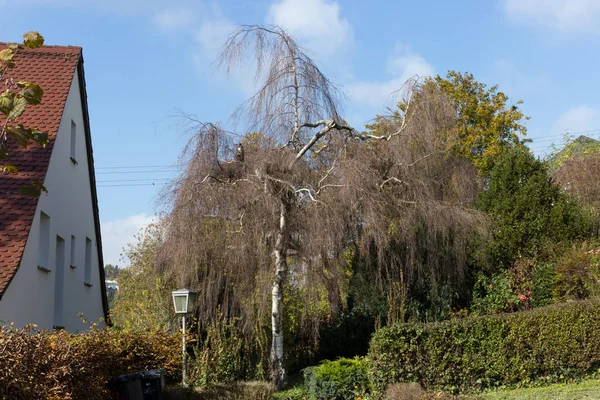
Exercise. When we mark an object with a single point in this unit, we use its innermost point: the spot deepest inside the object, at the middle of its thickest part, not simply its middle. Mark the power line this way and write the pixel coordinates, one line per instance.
(559, 136)
(135, 180)
(134, 172)
(139, 166)
(131, 185)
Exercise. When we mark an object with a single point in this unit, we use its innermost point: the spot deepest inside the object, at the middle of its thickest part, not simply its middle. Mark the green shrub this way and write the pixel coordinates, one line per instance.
(544, 280)
(225, 356)
(59, 365)
(494, 295)
(551, 343)
(526, 284)
(337, 380)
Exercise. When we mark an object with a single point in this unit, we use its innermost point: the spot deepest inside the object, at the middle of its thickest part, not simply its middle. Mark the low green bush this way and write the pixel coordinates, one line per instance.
(59, 365)
(337, 380)
(294, 393)
(550, 343)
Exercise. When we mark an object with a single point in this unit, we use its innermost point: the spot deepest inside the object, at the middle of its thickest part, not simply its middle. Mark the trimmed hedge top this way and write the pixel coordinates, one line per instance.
(553, 343)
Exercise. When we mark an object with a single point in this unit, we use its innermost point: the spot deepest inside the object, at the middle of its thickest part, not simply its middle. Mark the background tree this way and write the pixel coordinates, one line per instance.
(528, 209)
(429, 219)
(487, 125)
(143, 301)
(576, 169)
(15, 98)
(111, 272)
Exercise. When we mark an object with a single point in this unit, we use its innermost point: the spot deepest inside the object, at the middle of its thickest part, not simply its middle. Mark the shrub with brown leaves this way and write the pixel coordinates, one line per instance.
(60, 365)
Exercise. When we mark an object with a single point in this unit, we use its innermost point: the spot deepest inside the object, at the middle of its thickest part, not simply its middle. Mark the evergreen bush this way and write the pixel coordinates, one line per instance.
(337, 380)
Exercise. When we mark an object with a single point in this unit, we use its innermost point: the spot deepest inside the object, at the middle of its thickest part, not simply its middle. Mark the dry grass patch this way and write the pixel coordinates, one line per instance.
(236, 391)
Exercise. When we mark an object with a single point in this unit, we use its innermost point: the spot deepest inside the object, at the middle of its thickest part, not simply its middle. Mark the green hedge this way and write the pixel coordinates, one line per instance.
(550, 343)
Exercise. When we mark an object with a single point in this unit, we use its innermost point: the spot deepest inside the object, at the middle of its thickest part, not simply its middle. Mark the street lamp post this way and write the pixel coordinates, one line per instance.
(183, 300)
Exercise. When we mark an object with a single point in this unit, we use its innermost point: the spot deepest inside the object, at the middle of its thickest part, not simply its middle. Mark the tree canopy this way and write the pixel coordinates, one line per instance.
(528, 208)
(487, 124)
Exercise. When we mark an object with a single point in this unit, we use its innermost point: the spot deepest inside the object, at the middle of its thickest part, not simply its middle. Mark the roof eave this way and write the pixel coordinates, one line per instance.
(92, 176)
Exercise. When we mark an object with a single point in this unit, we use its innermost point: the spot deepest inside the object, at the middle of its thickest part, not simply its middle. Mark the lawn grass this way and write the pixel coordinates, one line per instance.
(585, 390)
(588, 389)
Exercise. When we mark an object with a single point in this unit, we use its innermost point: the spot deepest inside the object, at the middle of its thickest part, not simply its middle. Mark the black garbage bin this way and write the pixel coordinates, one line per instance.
(126, 387)
(153, 383)
(144, 385)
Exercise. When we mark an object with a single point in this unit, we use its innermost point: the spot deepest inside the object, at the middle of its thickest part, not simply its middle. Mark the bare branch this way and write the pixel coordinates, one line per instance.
(328, 125)
(391, 179)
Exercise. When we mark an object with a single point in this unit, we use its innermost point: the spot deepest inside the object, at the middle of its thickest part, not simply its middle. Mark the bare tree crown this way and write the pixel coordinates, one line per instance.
(294, 95)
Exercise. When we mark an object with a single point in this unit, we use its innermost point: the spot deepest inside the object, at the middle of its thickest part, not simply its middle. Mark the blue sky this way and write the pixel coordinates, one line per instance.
(147, 59)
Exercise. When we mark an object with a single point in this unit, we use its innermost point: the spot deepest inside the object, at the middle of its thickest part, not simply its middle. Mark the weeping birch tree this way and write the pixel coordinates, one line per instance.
(261, 205)
(278, 200)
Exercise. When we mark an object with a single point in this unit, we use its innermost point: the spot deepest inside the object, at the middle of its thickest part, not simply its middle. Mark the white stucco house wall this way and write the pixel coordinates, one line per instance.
(51, 268)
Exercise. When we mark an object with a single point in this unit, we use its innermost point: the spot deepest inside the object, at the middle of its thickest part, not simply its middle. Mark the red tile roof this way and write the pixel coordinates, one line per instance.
(53, 68)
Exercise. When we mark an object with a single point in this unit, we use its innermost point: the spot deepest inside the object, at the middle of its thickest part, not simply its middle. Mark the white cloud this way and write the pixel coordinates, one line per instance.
(175, 19)
(578, 119)
(316, 24)
(118, 233)
(566, 16)
(402, 65)
(212, 34)
(214, 29)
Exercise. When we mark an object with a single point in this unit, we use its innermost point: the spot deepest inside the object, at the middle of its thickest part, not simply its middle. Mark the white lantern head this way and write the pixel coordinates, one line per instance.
(183, 300)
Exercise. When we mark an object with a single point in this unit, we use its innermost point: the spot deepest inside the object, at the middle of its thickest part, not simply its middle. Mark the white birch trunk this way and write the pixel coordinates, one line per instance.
(278, 376)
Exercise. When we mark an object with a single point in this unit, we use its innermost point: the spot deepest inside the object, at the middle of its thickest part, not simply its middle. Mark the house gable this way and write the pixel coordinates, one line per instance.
(71, 205)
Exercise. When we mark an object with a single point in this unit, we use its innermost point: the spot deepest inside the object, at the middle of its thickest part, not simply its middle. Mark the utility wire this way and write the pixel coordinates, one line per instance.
(131, 185)
(139, 166)
(135, 180)
(133, 172)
